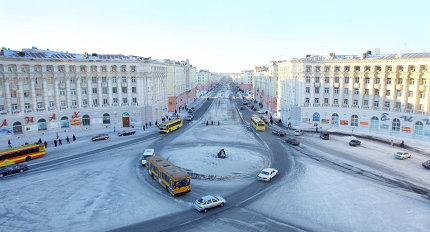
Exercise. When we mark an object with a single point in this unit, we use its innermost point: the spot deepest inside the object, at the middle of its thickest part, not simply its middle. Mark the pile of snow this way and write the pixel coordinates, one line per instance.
(202, 161)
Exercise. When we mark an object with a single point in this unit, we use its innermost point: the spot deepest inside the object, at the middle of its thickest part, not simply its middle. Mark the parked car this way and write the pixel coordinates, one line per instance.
(125, 133)
(426, 164)
(147, 153)
(100, 137)
(280, 133)
(292, 141)
(354, 142)
(267, 174)
(325, 136)
(8, 170)
(190, 111)
(262, 111)
(298, 132)
(207, 202)
(402, 155)
(193, 109)
(189, 117)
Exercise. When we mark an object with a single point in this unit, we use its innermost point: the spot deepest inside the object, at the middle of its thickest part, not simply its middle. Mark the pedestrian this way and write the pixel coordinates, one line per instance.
(218, 123)
(150, 124)
(212, 122)
(207, 123)
(9, 143)
(316, 129)
(59, 142)
(46, 144)
(146, 124)
(156, 123)
(39, 141)
(74, 138)
(57, 135)
(143, 127)
(392, 142)
(402, 144)
(55, 142)
(67, 140)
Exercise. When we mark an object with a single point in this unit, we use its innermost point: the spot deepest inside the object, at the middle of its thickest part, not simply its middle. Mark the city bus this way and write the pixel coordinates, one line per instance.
(172, 178)
(20, 154)
(170, 126)
(257, 123)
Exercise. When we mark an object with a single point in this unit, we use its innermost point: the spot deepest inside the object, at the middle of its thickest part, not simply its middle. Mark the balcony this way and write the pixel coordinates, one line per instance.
(376, 86)
(317, 84)
(399, 87)
(356, 85)
(336, 85)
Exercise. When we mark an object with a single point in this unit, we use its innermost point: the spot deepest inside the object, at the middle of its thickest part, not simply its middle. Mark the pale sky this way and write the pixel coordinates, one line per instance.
(221, 35)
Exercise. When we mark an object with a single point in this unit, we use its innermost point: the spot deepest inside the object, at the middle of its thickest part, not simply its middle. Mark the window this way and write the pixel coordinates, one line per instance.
(398, 93)
(316, 100)
(399, 81)
(356, 80)
(345, 90)
(84, 102)
(133, 89)
(124, 100)
(325, 100)
(317, 79)
(308, 80)
(326, 90)
(376, 104)
(104, 79)
(366, 91)
(307, 100)
(356, 91)
(345, 102)
(113, 79)
(124, 89)
(62, 92)
(346, 80)
(354, 120)
(94, 79)
(410, 94)
(367, 80)
(418, 128)
(134, 100)
(94, 90)
(51, 104)
(411, 81)
(73, 92)
(376, 92)
(387, 104)
(114, 89)
(327, 68)
(388, 81)
(105, 90)
(398, 105)
(95, 102)
(395, 125)
(308, 89)
(74, 103)
(105, 101)
(133, 68)
(84, 91)
(14, 106)
(115, 100)
(387, 92)
(357, 68)
(355, 103)
(422, 94)
(133, 79)
(124, 80)
(104, 68)
(27, 106)
(366, 103)
(377, 80)
(336, 80)
(335, 101)
(326, 79)
(336, 90)
(317, 89)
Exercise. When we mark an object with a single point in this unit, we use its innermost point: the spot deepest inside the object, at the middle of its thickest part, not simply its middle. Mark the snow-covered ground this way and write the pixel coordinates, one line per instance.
(376, 153)
(322, 199)
(92, 196)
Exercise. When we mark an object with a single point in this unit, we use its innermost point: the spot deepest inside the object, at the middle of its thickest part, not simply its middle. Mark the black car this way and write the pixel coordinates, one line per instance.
(325, 136)
(426, 164)
(280, 133)
(125, 133)
(354, 143)
(292, 141)
(13, 169)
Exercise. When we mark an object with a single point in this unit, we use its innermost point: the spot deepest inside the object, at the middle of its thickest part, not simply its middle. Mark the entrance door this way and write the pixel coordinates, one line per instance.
(126, 121)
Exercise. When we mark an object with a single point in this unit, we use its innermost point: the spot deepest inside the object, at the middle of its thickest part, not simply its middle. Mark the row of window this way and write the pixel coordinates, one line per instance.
(399, 81)
(356, 91)
(72, 68)
(367, 68)
(376, 104)
(62, 92)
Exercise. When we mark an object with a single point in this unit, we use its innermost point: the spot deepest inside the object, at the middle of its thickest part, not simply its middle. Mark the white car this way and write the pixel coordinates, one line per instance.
(147, 153)
(402, 155)
(267, 174)
(207, 202)
(262, 111)
(298, 132)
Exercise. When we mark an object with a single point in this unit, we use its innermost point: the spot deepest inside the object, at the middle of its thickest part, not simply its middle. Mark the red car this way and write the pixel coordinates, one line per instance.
(426, 164)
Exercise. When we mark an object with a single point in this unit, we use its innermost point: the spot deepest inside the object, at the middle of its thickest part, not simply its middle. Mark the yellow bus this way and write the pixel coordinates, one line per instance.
(172, 178)
(20, 154)
(257, 123)
(170, 126)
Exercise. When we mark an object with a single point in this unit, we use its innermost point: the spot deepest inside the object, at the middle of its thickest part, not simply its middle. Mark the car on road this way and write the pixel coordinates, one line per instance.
(280, 133)
(254, 109)
(267, 174)
(402, 155)
(298, 132)
(325, 136)
(8, 170)
(354, 143)
(126, 133)
(207, 202)
(241, 108)
(100, 137)
(147, 153)
(292, 141)
(426, 164)
(189, 117)
(190, 111)
(262, 111)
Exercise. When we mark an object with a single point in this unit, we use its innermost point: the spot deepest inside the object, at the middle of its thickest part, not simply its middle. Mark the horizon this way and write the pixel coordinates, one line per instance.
(222, 39)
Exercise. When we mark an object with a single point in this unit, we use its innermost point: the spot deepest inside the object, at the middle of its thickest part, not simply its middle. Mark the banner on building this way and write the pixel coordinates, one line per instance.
(344, 122)
(364, 123)
(406, 129)
(75, 122)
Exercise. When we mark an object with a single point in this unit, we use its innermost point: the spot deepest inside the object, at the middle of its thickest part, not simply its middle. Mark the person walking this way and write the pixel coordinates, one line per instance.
(55, 142)
(9, 143)
(39, 141)
(59, 142)
(73, 137)
(46, 144)
(67, 140)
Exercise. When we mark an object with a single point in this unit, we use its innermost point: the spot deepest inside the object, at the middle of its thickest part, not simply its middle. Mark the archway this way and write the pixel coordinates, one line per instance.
(395, 125)
(64, 122)
(17, 128)
(335, 119)
(354, 120)
(126, 119)
(106, 118)
(86, 120)
(374, 123)
(418, 128)
(41, 124)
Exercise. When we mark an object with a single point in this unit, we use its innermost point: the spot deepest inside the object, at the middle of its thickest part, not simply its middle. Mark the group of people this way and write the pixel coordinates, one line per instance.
(57, 141)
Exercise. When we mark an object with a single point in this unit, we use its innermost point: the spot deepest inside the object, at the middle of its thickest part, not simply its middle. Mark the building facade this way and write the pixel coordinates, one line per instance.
(44, 90)
(387, 94)
(265, 87)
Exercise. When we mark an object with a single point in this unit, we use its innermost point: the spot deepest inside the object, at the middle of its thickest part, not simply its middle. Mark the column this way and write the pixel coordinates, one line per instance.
(110, 98)
(405, 91)
(8, 104)
(33, 94)
(119, 84)
(393, 90)
(382, 91)
(416, 77)
(361, 90)
(99, 91)
(331, 91)
(341, 81)
(57, 94)
(45, 93)
(351, 92)
(68, 95)
(79, 92)
(322, 89)
(312, 90)
(129, 90)
(21, 95)
(89, 92)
